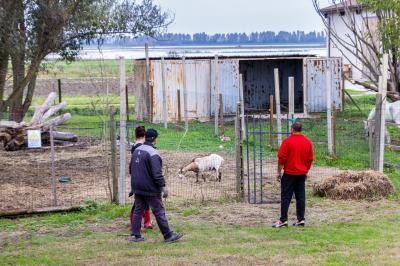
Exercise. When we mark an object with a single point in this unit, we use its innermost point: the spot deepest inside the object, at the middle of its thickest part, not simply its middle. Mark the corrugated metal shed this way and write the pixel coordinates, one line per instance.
(309, 74)
(316, 83)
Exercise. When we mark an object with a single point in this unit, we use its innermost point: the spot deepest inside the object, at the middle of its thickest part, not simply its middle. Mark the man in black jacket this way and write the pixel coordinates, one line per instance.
(148, 185)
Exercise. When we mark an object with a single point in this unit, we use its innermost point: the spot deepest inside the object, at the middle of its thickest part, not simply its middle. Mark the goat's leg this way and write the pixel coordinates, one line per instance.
(219, 176)
(204, 177)
(197, 177)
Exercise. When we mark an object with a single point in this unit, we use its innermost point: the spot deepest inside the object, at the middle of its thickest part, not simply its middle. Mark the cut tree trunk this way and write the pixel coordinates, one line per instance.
(14, 135)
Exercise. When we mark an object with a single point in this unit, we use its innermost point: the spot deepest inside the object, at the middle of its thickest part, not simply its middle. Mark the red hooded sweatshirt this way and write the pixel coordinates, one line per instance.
(296, 154)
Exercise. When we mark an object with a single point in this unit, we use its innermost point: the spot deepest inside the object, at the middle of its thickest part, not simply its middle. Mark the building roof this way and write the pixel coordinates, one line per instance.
(351, 4)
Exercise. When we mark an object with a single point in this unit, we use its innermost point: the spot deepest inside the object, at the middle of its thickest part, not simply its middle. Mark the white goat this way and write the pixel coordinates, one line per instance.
(392, 115)
(212, 162)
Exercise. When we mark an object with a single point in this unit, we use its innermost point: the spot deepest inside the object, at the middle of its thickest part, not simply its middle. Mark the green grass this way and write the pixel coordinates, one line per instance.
(83, 69)
(66, 239)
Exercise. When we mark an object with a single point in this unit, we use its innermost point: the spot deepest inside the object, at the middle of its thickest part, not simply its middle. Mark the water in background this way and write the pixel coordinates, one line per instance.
(202, 51)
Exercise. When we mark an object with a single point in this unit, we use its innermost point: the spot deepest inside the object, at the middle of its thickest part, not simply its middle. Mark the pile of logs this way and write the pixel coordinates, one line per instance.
(14, 135)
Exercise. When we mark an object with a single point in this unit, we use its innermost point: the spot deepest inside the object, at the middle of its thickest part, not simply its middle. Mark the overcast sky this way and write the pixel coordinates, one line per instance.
(223, 16)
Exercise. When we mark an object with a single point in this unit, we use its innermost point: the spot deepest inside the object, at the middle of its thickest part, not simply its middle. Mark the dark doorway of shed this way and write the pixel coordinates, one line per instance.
(258, 83)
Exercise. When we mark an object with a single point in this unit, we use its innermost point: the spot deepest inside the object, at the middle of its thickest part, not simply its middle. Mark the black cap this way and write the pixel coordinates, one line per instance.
(151, 134)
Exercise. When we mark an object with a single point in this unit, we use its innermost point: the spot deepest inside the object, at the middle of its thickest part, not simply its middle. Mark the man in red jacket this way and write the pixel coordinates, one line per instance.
(295, 157)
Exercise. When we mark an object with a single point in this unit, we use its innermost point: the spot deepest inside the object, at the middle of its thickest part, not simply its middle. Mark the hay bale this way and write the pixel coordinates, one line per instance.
(355, 185)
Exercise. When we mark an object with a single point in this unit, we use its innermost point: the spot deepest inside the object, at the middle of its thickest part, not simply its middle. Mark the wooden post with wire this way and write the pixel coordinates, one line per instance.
(239, 154)
(278, 106)
(216, 96)
(123, 135)
(127, 103)
(221, 114)
(59, 91)
(271, 121)
(178, 95)
(113, 137)
(241, 99)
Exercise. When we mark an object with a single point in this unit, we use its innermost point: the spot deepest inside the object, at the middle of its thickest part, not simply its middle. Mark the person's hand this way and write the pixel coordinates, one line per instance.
(165, 193)
(131, 194)
(278, 177)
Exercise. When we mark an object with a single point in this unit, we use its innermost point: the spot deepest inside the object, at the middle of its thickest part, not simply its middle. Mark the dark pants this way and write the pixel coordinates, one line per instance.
(293, 184)
(157, 206)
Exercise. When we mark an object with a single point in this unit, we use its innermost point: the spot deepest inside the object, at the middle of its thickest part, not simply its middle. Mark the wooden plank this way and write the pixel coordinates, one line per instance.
(185, 99)
(291, 101)
(164, 92)
(216, 96)
(377, 127)
(178, 95)
(278, 106)
(28, 212)
(122, 129)
(241, 99)
(271, 120)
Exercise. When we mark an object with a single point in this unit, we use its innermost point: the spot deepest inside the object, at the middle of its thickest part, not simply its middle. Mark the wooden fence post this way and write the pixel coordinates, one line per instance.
(122, 142)
(271, 121)
(59, 91)
(185, 100)
(382, 118)
(127, 103)
(377, 132)
(329, 109)
(113, 129)
(164, 92)
(216, 96)
(278, 107)
(178, 94)
(334, 130)
(241, 99)
(221, 113)
(291, 101)
(239, 154)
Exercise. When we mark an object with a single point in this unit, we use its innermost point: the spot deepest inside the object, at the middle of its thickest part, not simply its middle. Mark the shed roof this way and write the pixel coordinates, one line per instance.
(241, 57)
(351, 4)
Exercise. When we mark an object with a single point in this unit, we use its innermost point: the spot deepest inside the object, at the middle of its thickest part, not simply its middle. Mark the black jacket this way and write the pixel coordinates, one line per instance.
(146, 171)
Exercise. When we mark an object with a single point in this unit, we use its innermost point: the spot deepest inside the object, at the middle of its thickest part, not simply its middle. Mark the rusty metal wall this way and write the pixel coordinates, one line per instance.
(228, 81)
(139, 85)
(198, 89)
(316, 83)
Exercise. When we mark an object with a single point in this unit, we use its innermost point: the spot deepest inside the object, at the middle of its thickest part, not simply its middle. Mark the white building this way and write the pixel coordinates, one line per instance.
(341, 37)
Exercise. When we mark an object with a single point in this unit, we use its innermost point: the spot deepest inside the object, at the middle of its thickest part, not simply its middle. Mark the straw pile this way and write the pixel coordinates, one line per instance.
(355, 185)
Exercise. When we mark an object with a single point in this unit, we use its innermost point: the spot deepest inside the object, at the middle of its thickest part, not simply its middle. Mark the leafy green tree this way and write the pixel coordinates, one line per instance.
(30, 30)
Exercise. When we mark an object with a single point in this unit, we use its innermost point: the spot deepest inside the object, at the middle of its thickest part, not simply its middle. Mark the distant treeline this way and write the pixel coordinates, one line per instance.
(266, 37)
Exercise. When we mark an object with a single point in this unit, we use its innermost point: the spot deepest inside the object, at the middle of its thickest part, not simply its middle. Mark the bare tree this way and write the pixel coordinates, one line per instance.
(363, 41)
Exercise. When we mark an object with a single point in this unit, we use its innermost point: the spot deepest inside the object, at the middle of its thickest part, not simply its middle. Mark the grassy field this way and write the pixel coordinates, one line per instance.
(98, 236)
(82, 69)
(220, 233)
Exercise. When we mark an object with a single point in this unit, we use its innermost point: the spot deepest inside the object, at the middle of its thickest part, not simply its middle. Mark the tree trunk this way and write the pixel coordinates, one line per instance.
(3, 76)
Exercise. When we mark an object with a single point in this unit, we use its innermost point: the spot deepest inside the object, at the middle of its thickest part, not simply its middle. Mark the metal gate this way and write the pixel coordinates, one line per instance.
(260, 154)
